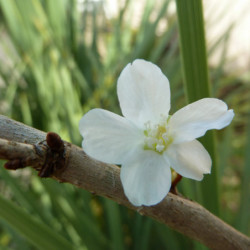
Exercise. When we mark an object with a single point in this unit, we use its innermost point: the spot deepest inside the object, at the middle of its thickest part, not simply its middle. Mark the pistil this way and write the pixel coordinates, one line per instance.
(157, 137)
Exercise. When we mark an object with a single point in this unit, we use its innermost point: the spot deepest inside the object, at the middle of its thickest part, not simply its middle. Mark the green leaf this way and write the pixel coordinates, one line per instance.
(244, 215)
(114, 224)
(195, 72)
(37, 233)
(83, 222)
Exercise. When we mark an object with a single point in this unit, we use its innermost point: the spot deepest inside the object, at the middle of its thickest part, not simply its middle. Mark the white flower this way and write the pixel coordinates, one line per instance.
(147, 141)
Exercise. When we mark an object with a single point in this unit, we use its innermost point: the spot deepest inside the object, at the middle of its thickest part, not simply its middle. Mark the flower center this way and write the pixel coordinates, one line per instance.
(157, 137)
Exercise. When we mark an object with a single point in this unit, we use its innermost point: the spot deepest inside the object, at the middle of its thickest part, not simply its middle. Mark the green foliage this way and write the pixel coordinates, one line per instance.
(243, 216)
(193, 51)
(36, 232)
(57, 62)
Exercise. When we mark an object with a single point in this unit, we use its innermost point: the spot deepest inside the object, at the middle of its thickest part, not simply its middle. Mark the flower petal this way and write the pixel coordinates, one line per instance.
(196, 118)
(109, 137)
(143, 92)
(189, 159)
(146, 178)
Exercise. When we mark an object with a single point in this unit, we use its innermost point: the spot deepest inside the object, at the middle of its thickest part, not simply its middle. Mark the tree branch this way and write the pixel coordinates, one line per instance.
(22, 145)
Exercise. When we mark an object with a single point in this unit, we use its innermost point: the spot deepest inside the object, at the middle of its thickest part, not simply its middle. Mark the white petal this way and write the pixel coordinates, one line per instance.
(146, 178)
(143, 92)
(109, 137)
(196, 118)
(189, 159)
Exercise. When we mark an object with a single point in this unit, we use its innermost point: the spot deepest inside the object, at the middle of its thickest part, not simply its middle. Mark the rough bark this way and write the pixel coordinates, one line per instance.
(23, 145)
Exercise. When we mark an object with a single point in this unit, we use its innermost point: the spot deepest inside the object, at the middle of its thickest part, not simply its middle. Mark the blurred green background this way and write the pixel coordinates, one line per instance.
(61, 58)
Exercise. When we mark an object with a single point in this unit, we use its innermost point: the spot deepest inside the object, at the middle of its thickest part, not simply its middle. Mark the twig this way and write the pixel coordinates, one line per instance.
(30, 147)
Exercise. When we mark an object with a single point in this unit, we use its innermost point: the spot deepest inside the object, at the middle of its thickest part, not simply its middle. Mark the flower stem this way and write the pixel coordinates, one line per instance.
(174, 184)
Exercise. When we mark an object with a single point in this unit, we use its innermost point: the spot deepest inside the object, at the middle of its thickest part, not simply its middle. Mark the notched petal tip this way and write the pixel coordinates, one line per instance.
(230, 116)
(206, 170)
(195, 119)
(143, 92)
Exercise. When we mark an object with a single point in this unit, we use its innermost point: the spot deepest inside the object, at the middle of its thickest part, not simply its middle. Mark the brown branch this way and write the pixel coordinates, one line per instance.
(23, 145)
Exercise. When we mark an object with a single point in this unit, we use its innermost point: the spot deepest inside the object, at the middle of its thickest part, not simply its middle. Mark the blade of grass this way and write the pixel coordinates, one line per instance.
(83, 223)
(171, 239)
(11, 238)
(195, 72)
(37, 233)
(148, 32)
(114, 224)
(143, 229)
(24, 197)
(244, 215)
